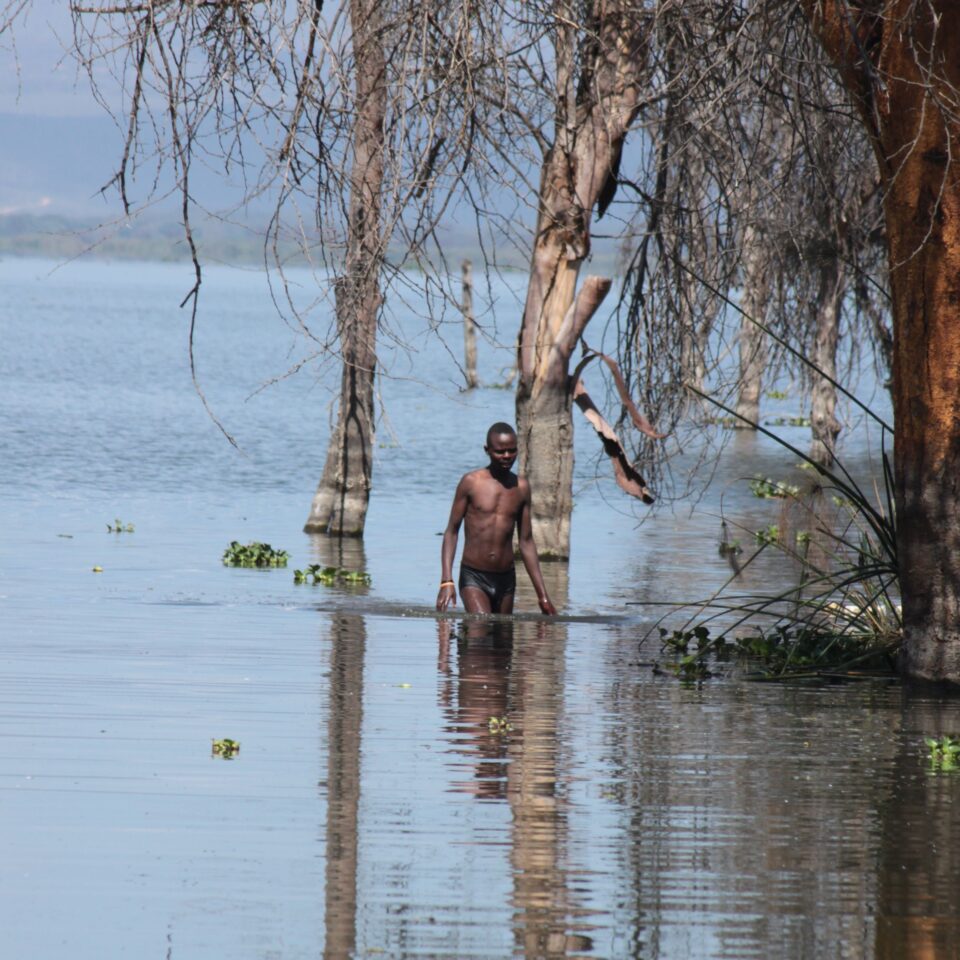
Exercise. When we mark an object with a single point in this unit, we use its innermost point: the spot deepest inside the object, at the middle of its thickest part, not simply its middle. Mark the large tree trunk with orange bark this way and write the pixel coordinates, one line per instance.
(593, 113)
(340, 504)
(901, 62)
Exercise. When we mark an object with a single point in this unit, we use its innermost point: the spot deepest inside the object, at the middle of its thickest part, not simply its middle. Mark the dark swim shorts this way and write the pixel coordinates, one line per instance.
(496, 585)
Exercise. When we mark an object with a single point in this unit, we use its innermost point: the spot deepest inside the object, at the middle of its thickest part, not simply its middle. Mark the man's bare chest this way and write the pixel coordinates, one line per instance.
(496, 501)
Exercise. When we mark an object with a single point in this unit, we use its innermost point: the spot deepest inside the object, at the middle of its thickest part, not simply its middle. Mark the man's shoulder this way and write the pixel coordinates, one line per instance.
(472, 476)
(471, 479)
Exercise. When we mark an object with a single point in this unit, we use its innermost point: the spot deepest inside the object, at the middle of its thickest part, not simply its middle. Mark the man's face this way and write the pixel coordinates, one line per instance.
(502, 450)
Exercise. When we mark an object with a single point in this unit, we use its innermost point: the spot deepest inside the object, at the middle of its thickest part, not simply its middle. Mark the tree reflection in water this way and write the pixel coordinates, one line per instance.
(348, 639)
(918, 918)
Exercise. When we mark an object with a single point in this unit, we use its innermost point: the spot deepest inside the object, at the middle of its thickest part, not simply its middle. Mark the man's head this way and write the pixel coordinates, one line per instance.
(501, 445)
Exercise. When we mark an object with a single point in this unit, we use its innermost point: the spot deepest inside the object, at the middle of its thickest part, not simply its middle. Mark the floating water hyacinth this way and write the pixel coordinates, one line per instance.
(254, 554)
(328, 576)
(500, 725)
(225, 748)
(767, 489)
(944, 753)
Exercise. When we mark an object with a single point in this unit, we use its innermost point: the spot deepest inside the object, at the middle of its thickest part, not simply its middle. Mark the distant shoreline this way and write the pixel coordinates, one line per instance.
(58, 237)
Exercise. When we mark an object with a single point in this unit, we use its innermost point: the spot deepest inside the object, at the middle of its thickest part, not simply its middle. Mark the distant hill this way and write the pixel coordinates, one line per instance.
(52, 203)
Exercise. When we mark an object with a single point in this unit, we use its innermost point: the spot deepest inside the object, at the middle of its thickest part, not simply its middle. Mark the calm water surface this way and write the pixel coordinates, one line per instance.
(373, 810)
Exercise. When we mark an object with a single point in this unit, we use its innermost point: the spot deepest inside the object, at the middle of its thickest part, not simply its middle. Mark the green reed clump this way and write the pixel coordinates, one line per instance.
(843, 614)
(254, 554)
(328, 576)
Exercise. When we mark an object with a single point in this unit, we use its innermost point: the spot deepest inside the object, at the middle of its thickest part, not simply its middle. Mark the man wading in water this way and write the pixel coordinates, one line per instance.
(494, 502)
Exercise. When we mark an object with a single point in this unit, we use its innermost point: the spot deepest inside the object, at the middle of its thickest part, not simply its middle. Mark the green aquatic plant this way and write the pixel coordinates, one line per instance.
(727, 423)
(690, 665)
(778, 394)
(780, 652)
(499, 725)
(767, 489)
(787, 422)
(767, 535)
(254, 554)
(328, 576)
(118, 526)
(805, 649)
(225, 748)
(843, 616)
(944, 753)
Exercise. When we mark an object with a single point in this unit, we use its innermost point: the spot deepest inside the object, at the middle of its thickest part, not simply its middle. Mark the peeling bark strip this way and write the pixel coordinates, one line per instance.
(900, 61)
(624, 472)
(639, 420)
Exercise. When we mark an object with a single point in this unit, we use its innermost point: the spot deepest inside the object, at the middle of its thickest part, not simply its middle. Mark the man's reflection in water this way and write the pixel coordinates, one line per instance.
(495, 671)
(476, 699)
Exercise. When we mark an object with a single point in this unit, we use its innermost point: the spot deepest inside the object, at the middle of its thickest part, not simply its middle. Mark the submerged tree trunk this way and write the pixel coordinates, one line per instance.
(907, 94)
(593, 114)
(469, 328)
(823, 402)
(752, 342)
(340, 503)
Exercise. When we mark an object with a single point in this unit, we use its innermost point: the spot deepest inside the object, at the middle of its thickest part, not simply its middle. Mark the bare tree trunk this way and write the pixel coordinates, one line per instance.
(340, 503)
(469, 328)
(592, 119)
(823, 422)
(912, 119)
(753, 353)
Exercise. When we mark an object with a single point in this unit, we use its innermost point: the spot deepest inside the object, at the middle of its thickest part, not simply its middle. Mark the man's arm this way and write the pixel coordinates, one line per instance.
(448, 550)
(528, 552)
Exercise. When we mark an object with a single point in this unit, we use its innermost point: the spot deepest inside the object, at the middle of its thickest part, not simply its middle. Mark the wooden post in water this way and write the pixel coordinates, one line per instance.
(469, 327)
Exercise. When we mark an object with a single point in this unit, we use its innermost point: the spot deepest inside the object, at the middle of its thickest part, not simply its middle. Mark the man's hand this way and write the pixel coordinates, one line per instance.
(446, 597)
(546, 606)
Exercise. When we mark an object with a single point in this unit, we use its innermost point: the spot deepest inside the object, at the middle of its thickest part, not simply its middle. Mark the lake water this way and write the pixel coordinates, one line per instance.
(373, 809)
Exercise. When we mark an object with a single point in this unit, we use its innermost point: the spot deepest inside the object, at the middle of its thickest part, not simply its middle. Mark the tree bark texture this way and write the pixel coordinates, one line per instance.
(824, 425)
(753, 353)
(592, 119)
(340, 504)
(901, 62)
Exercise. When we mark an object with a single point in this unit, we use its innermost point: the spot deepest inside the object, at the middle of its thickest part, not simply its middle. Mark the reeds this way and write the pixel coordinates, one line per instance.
(841, 619)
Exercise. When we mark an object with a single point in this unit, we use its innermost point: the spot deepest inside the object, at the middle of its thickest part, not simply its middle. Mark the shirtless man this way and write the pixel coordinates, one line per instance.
(494, 502)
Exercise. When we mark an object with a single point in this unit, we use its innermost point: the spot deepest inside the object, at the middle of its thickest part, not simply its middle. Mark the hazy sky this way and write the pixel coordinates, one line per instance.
(38, 77)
